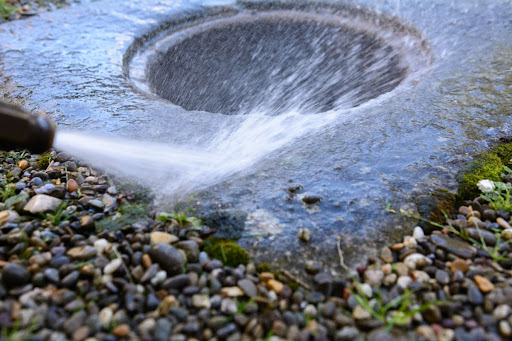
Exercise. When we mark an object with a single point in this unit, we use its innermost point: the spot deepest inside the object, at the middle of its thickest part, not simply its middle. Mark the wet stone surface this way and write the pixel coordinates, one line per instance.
(414, 140)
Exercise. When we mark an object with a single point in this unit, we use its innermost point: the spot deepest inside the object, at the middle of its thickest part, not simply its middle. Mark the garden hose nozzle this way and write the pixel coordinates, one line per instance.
(21, 130)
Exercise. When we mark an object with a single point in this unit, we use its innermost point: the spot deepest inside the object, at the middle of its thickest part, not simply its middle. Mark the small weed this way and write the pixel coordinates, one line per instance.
(242, 305)
(17, 156)
(398, 311)
(6, 9)
(7, 191)
(59, 215)
(15, 333)
(181, 216)
(499, 197)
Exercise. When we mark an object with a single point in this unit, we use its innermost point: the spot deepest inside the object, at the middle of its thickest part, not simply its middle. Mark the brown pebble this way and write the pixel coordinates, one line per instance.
(464, 210)
(265, 276)
(503, 223)
(121, 330)
(397, 246)
(483, 284)
(81, 333)
(386, 255)
(458, 264)
(474, 214)
(23, 164)
(146, 261)
(275, 286)
(72, 185)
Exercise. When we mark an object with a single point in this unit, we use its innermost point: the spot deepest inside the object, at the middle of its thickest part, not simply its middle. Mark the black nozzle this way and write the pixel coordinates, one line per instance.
(20, 130)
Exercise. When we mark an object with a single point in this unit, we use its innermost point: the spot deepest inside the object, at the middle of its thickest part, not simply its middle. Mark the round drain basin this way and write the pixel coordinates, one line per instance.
(276, 61)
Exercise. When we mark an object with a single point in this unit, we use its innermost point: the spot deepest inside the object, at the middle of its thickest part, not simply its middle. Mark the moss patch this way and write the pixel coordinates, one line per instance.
(129, 214)
(227, 251)
(44, 160)
(488, 165)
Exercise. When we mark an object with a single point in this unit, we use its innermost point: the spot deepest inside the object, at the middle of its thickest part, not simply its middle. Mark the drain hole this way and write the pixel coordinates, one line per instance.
(273, 62)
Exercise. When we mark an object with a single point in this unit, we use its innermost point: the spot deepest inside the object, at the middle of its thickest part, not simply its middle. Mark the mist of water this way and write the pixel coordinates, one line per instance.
(182, 169)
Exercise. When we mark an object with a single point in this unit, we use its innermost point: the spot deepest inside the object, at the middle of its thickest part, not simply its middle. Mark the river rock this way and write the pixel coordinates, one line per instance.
(452, 245)
(42, 203)
(8, 217)
(158, 237)
(483, 284)
(248, 287)
(190, 248)
(416, 260)
(83, 252)
(168, 257)
(14, 275)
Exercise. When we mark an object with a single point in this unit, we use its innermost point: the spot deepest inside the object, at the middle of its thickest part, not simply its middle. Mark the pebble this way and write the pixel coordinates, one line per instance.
(248, 287)
(168, 257)
(503, 223)
(162, 237)
(112, 266)
(418, 233)
(501, 312)
(452, 245)
(121, 330)
(201, 301)
(416, 260)
(232, 292)
(72, 185)
(475, 296)
(359, 313)
(42, 203)
(275, 286)
(84, 252)
(505, 329)
(483, 284)
(304, 235)
(14, 275)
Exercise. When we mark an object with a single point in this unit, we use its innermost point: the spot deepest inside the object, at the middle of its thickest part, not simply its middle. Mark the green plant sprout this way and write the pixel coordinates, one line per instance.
(7, 191)
(182, 216)
(59, 215)
(399, 311)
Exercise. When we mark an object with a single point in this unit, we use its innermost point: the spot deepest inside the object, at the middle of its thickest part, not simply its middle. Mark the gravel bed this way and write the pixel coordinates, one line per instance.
(81, 259)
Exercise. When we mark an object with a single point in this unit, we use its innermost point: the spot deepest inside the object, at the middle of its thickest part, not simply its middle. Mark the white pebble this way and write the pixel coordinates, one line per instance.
(418, 233)
(421, 276)
(310, 310)
(105, 316)
(100, 245)
(366, 289)
(159, 278)
(111, 267)
(416, 260)
(501, 312)
(403, 281)
(410, 242)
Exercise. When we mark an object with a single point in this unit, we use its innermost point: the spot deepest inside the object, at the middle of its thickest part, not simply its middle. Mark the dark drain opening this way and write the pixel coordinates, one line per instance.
(273, 62)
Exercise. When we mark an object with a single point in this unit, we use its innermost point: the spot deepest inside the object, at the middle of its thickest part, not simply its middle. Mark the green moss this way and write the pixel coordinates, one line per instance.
(129, 214)
(504, 152)
(486, 166)
(44, 160)
(263, 267)
(227, 251)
